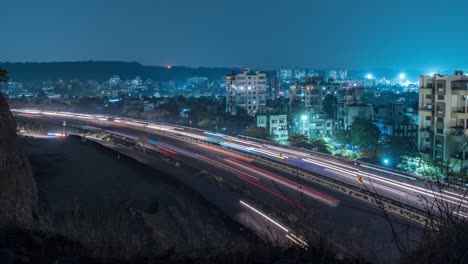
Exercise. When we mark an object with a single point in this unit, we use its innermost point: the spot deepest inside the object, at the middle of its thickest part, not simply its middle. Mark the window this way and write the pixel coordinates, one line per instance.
(440, 97)
(440, 131)
(440, 119)
(428, 96)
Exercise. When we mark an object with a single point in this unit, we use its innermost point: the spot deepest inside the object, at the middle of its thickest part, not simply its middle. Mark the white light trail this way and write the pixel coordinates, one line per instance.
(268, 218)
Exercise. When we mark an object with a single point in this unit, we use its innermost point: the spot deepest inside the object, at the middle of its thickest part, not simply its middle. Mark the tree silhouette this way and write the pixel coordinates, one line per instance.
(329, 105)
(3, 75)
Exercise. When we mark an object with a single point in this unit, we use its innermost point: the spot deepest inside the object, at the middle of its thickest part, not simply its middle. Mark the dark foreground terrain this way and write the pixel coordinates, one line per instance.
(98, 207)
(118, 207)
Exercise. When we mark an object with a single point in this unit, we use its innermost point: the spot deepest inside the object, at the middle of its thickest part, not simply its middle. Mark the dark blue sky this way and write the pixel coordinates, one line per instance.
(355, 34)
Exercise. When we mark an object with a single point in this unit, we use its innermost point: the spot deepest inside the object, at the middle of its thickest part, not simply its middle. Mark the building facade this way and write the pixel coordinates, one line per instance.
(394, 120)
(246, 90)
(443, 118)
(276, 126)
(351, 105)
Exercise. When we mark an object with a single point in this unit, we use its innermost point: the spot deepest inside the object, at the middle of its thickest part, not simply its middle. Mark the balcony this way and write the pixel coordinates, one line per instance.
(425, 90)
(426, 129)
(428, 86)
(457, 131)
(460, 113)
(458, 134)
(460, 87)
(426, 107)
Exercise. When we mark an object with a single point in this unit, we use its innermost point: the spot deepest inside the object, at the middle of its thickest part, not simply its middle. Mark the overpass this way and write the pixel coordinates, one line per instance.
(311, 186)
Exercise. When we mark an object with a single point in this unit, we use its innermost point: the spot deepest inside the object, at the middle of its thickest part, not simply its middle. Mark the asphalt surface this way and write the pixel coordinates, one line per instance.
(356, 226)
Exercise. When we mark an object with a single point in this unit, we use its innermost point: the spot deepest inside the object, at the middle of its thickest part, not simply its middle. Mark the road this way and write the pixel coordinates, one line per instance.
(407, 189)
(355, 225)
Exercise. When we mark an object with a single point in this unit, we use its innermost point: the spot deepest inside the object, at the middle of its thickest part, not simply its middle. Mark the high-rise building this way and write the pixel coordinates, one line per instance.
(312, 93)
(286, 75)
(443, 118)
(246, 90)
(272, 87)
(299, 74)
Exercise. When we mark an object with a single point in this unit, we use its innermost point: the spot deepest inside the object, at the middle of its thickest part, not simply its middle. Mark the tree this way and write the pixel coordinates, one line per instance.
(296, 107)
(329, 105)
(297, 140)
(343, 137)
(3, 75)
(364, 134)
(318, 144)
(257, 132)
(420, 166)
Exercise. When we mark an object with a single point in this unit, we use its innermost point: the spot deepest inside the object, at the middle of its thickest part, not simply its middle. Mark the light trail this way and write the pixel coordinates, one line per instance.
(264, 149)
(168, 150)
(289, 183)
(274, 193)
(406, 186)
(289, 234)
(390, 172)
(265, 216)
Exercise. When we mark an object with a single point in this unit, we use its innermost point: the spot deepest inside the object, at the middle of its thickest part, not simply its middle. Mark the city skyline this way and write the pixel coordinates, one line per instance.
(360, 35)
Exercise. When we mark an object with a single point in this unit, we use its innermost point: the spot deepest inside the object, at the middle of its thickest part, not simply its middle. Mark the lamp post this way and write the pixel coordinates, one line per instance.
(386, 161)
(304, 119)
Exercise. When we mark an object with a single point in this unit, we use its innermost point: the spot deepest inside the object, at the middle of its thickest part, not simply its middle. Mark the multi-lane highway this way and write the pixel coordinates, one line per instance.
(329, 212)
(400, 187)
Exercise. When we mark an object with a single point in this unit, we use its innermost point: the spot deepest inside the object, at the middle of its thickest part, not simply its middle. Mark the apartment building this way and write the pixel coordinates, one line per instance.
(312, 93)
(351, 105)
(443, 118)
(277, 126)
(246, 90)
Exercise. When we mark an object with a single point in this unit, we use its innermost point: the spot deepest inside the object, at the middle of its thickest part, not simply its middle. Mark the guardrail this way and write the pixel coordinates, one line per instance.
(333, 157)
(392, 206)
(386, 204)
(389, 205)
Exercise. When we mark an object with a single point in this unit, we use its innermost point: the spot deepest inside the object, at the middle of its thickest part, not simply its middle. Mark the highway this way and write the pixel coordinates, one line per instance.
(345, 220)
(396, 186)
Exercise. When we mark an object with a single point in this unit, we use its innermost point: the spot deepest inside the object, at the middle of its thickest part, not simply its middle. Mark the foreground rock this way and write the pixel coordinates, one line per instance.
(18, 194)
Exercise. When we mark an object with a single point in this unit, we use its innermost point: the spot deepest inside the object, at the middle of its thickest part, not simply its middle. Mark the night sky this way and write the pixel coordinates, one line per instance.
(354, 34)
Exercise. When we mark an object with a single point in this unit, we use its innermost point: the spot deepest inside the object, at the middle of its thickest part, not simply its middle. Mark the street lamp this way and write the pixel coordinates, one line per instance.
(369, 76)
(386, 161)
(402, 76)
(304, 119)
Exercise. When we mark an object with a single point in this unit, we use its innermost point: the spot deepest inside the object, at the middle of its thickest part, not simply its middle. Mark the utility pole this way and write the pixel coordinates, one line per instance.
(64, 127)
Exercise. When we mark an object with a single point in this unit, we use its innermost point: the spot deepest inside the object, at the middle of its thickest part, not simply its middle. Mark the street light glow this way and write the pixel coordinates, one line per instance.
(369, 76)
(304, 117)
(402, 76)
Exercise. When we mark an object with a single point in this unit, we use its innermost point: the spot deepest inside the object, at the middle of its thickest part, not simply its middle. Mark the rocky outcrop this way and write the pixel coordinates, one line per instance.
(18, 193)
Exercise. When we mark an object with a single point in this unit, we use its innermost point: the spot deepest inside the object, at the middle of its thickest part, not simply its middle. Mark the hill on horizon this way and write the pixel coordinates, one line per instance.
(103, 70)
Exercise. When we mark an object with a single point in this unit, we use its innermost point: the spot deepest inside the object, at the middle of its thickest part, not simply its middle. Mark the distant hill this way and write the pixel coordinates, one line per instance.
(102, 70)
